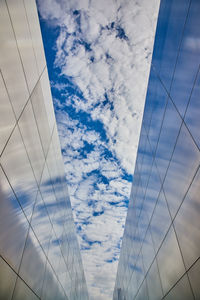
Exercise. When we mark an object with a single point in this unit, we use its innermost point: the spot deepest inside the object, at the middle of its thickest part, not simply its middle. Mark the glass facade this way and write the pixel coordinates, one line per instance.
(161, 245)
(39, 252)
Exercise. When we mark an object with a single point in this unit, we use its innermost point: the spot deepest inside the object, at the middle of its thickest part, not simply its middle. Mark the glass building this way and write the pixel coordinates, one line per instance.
(160, 256)
(39, 252)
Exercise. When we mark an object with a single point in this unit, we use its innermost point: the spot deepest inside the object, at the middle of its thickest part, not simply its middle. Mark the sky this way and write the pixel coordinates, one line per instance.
(98, 56)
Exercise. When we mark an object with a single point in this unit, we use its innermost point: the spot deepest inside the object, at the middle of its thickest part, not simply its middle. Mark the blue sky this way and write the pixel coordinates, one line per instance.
(98, 55)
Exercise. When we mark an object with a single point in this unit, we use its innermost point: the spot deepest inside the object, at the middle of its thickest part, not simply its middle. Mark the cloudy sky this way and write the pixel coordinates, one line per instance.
(98, 55)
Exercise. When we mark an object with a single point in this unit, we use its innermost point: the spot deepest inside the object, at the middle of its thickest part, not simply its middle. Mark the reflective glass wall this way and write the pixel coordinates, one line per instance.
(39, 252)
(160, 256)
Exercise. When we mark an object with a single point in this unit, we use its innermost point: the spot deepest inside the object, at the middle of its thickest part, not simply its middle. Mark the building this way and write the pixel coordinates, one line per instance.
(161, 244)
(39, 252)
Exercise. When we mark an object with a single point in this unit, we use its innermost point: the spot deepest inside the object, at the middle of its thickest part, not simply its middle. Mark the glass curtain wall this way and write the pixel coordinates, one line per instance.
(160, 255)
(39, 252)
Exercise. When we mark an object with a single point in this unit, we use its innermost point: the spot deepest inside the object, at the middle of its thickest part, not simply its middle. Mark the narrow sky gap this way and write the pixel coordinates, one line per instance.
(98, 55)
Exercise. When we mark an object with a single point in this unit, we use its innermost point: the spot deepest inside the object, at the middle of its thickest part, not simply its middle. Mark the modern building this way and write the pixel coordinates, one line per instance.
(160, 256)
(39, 252)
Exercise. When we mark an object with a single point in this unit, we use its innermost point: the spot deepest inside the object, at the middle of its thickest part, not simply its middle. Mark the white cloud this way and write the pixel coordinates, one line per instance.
(105, 48)
(100, 237)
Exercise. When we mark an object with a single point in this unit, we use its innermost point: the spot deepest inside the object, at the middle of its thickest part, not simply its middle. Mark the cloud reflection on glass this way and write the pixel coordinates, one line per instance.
(39, 252)
(165, 200)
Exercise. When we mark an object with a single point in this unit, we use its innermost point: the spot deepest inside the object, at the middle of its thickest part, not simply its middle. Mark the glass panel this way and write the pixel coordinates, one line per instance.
(181, 170)
(54, 253)
(47, 193)
(153, 85)
(137, 242)
(161, 30)
(126, 276)
(34, 26)
(7, 119)
(10, 63)
(24, 42)
(160, 221)
(13, 225)
(139, 200)
(142, 295)
(41, 116)
(62, 271)
(158, 109)
(168, 136)
(170, 262)
(132, 287)
(146, 165)
(65, 246)
(58, 155)
(17, 167)
(7, 280)
(41, 224)
(152, 192)
(143, 224)
(181, 291)
(23, 292)
(141, 149)
(30, 136)
(139, 270)
(44, 81)
(175, 14)
(154, 283)
(192, 117)
(188, 60)
(148, 252)
(58, 222)
(54, 174)
(187, 223)
(60, 293)
(134, 187)
(33, 264)
(194, 279)
(49, 289)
